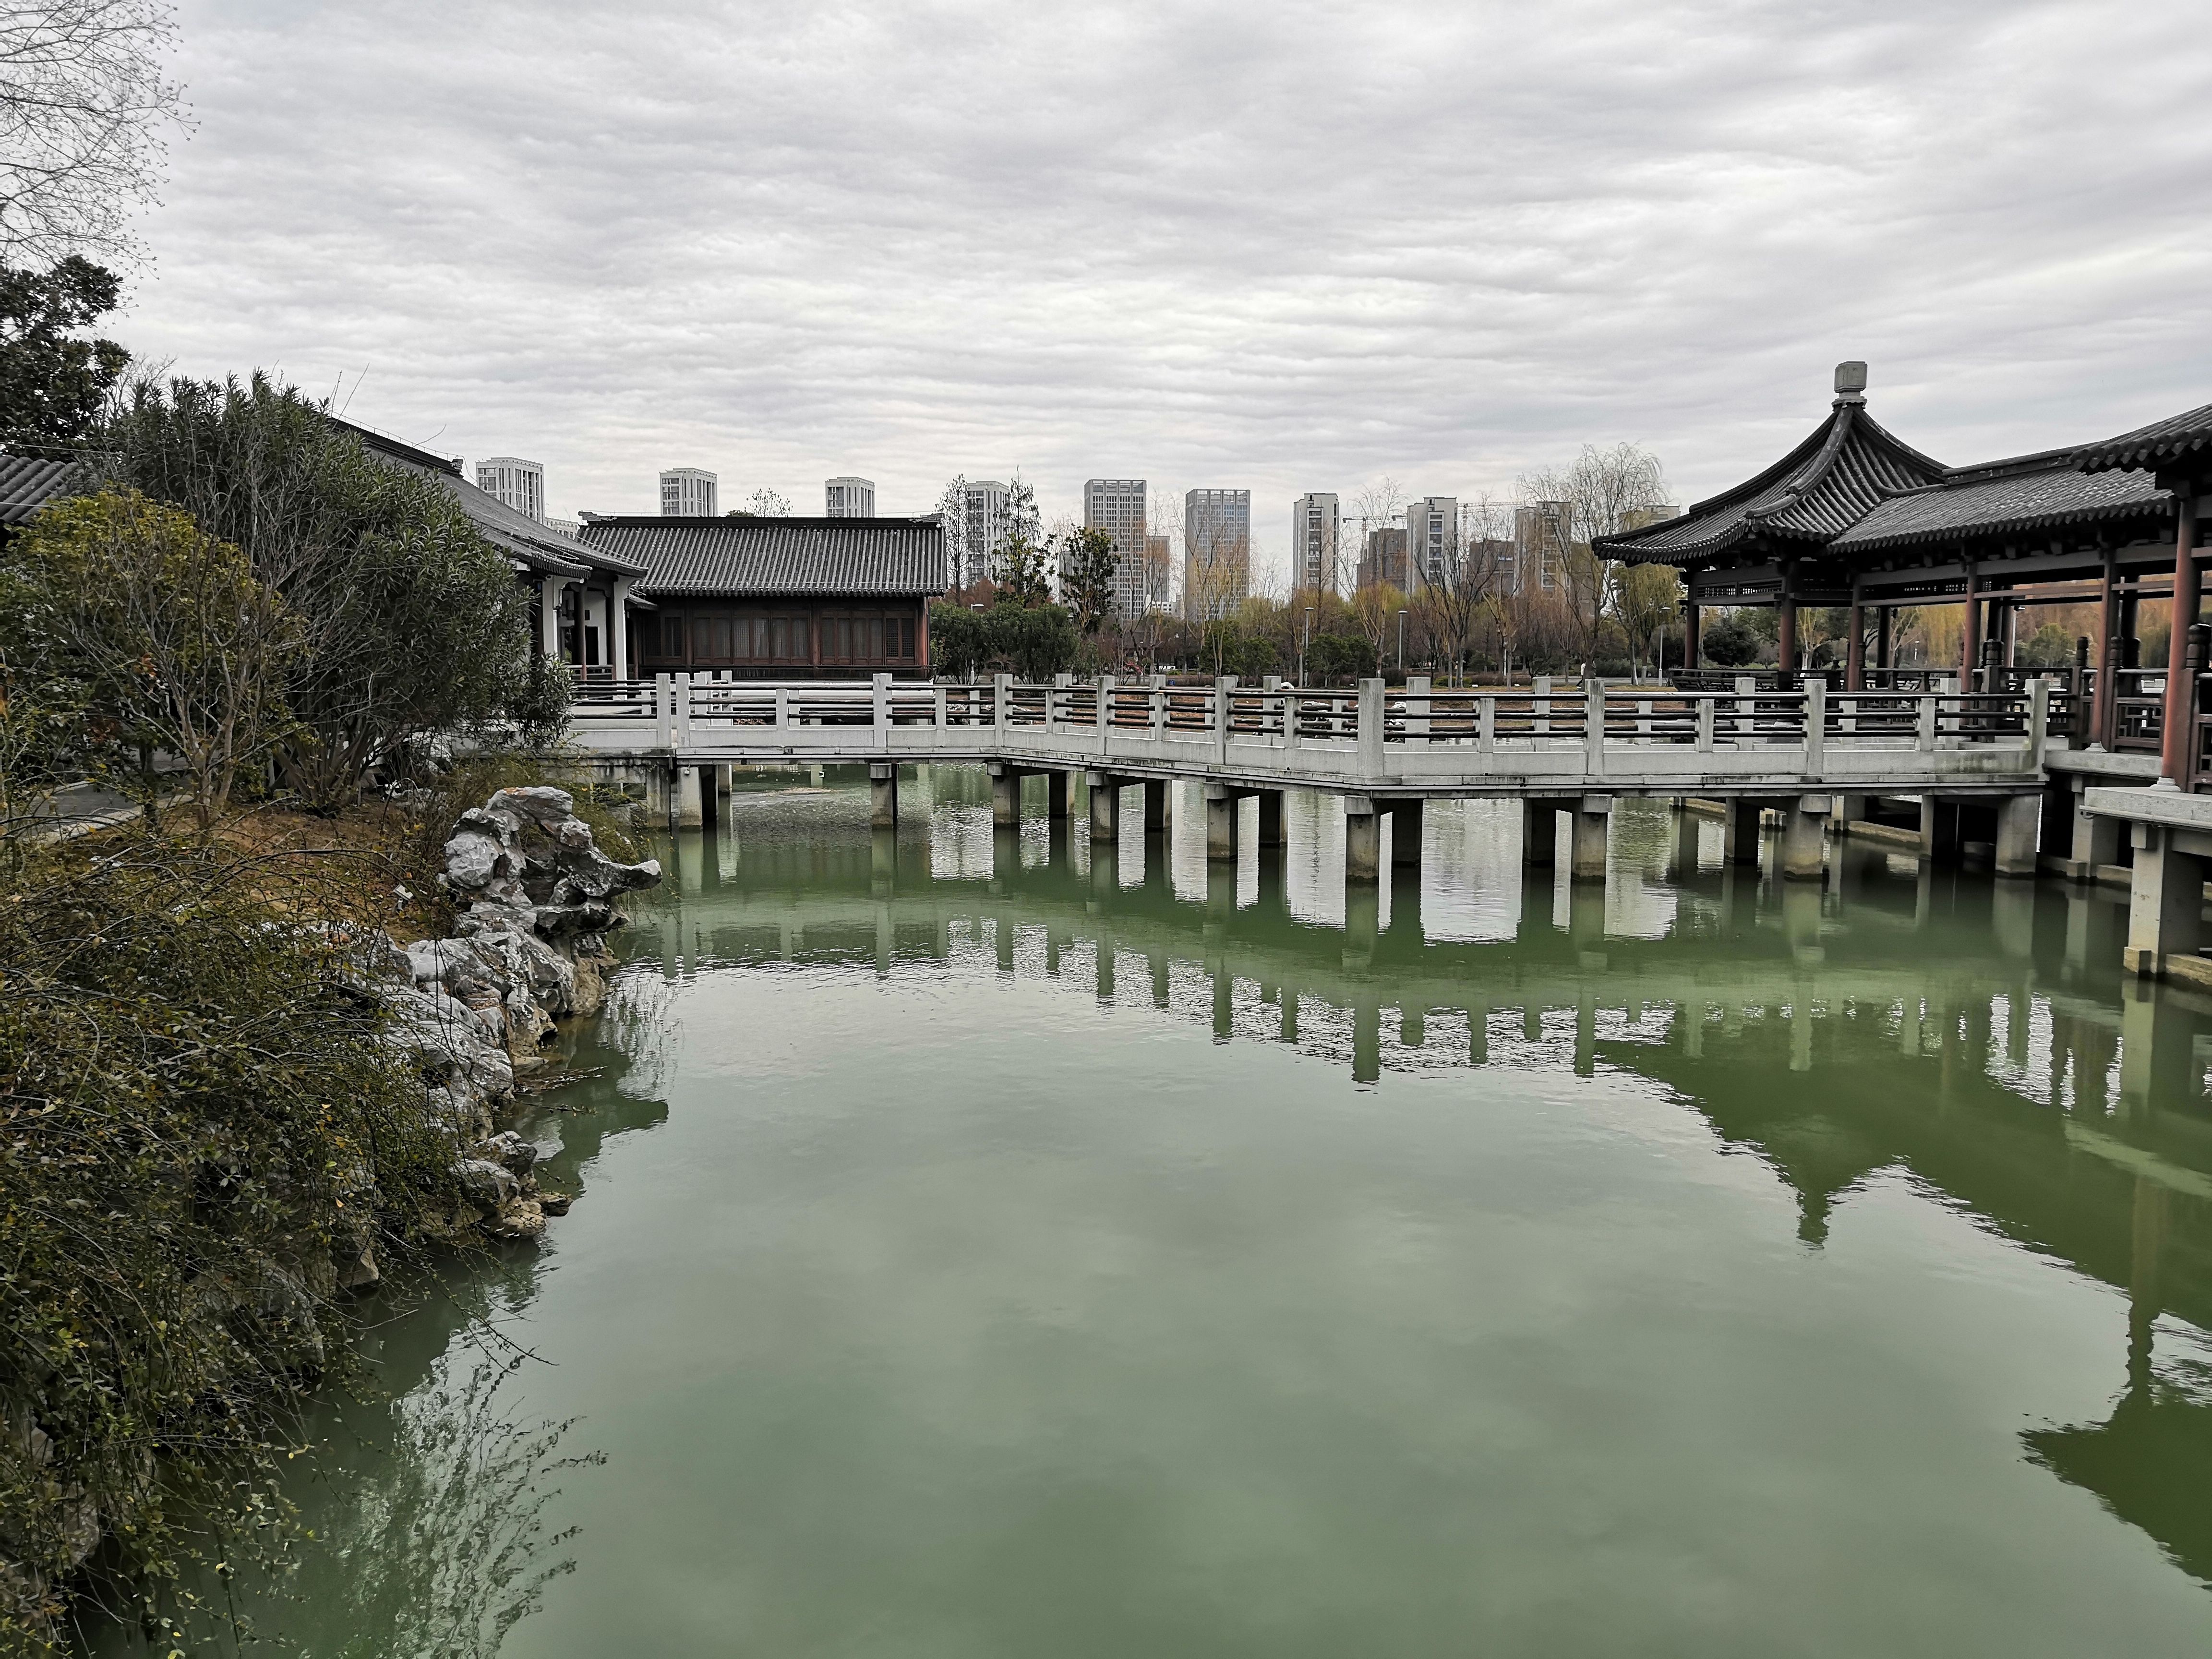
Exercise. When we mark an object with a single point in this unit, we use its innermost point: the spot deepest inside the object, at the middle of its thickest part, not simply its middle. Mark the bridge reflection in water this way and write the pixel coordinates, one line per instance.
(1971, 1034)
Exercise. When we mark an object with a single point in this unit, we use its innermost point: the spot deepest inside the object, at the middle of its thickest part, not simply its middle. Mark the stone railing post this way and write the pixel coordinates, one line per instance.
(1925, 722)
(782, 707)
(1705, 708)
(664, 711)
(1224, 711)
(684, 711)
(1001, 695)
(1371, 729)
(1485, 736)
(1105, 710)
(880, 711)
(1593, 724)
(1816, 726)
(2038, 718)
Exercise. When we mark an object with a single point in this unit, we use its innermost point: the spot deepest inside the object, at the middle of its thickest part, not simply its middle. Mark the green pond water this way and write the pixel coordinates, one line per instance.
(990, 1246)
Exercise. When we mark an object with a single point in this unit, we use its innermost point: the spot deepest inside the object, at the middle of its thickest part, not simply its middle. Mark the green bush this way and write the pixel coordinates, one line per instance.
(196, 1118)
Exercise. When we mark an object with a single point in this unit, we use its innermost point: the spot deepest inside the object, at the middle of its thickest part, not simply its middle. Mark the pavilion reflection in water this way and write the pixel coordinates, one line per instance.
(2025, 1081)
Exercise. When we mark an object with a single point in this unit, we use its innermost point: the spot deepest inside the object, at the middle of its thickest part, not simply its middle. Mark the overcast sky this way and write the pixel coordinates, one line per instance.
(1274, 246)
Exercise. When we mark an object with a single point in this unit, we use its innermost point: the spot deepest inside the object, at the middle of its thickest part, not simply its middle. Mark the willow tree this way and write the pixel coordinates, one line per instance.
(410, 622)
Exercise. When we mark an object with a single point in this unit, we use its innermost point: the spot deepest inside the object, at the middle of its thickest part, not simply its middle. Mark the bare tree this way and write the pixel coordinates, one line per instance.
(1456, 594)
(83, 101)
(765, 503)
(953, 515)
(1378, 503)
(1603, 491)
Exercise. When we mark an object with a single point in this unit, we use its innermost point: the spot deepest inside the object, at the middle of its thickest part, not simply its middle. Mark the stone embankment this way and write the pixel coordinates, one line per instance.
(536, 898)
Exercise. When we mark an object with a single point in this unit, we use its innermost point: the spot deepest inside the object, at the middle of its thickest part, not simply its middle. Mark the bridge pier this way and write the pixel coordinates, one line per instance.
(2096, 837)
(1406, 833)
(1006, 798)
(1941, 829)
(1274, 821)
(1540, 831)
(1221, 800)
(1056, 792)
(1363, 840)
(684, 811)
(2020, 826)
(1741, 837)
(1592, 817)
(1156, 806)
(1105, 790)
(883, 795)
(1804, 829)
(2166, 907)
(1688, 828)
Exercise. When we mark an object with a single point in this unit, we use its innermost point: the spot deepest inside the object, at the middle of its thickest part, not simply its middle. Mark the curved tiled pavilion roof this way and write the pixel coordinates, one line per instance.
(1843, 469)
(733, 557)
(2180, 443)
(2031, 493)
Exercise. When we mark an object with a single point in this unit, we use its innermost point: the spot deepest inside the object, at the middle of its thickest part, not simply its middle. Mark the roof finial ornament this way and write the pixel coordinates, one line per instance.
(1850, 383)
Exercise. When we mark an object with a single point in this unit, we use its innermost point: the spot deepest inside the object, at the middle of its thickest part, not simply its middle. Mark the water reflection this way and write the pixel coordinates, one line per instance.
(1901, 1020)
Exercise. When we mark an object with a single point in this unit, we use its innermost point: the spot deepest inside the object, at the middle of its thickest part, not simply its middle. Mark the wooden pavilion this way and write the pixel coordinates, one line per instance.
(1854, 517)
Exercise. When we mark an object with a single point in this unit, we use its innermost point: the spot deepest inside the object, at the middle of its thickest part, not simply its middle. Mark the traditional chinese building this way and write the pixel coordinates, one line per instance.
(789, 598)
(1855, 517)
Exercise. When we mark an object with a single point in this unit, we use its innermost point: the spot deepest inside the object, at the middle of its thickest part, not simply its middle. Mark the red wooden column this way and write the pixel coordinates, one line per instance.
(2099, 728)
(1970, 636)
(1855, 647)
(1785, 605)
(2180, 694)
(1689, 632)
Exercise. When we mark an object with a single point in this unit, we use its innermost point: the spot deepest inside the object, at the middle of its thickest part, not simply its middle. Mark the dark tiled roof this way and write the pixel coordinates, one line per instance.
(747, 557)
(27, 483)
(1821, 489)
(535, 546)
(2178, 438)
(2033, 491)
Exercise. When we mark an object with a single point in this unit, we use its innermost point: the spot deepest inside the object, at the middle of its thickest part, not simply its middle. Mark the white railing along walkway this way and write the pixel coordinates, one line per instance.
(1561, 737)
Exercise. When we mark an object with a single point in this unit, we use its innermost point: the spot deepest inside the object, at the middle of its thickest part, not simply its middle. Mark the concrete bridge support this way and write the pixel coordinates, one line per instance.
(2095, 839)
(1593, 817)
(1156, 806)
(1275, 819)
(883, 795)
(1363, 841)
(1406, 834)
(1539, 832)
(1006, 798)
(2020, 826)
(1105, 808)
(1942, 829)
(686, 810)
(2166, 907)
(1220, 823)
(1804, 829)
(1743, 826)
(1056, 794)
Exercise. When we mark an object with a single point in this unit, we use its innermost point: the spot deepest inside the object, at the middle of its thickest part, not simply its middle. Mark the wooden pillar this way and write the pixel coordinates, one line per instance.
(1854, 650)
(2180, 692)
(1884, 619)
(2100, 729)
(1689, 632)
(1970, 636)
(1786, 621)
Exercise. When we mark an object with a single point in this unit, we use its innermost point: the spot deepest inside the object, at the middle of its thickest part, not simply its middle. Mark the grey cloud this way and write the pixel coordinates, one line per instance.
(1283, 247)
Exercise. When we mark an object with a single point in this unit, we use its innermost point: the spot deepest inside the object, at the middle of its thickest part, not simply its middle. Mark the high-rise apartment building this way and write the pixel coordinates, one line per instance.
(1217, 551)
(984, 522)
(1383, 559)
(1542, 533)
(520, 484)
(850, 498)
(687, 492)
(1432, 537)
(1315, 563)
(1116, 506)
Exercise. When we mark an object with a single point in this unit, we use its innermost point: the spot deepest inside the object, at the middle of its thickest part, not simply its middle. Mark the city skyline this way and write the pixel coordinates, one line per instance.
(1620, 266)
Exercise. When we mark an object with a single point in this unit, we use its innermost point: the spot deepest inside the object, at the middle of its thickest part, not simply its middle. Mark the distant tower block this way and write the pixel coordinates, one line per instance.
(851, 498)
(520, 484)
(688, 492)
